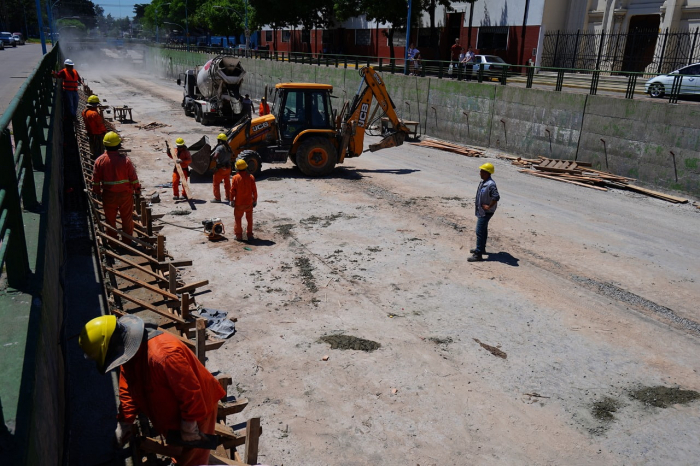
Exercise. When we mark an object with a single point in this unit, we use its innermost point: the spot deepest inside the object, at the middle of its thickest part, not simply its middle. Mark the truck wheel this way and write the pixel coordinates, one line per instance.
(253, 160)
(293, 159)
(316, 157)
(188, 110)
(198, 114)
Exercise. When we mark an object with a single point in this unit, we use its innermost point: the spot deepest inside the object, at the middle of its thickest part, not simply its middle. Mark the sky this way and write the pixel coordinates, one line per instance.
(113, 7)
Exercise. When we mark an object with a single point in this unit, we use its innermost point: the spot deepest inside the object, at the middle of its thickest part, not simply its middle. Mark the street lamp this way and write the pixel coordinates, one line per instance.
(157, 36)
(247, 31)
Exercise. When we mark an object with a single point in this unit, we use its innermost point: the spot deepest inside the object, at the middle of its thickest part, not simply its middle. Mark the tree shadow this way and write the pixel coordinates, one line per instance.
(504, 258)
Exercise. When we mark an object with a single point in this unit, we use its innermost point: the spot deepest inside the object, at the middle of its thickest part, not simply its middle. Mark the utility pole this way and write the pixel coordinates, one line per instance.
(41, 26)
(471, 17)
(408, 39)
(187, 28)
(522, 39)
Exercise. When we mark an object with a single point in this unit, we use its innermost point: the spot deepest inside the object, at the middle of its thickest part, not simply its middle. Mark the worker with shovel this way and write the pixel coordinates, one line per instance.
(159, 377)
(184, 158)
(244, 197)
(222, 155)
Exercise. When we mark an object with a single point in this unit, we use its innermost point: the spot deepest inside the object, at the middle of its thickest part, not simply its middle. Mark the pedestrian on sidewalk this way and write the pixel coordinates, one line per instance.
(94, 126)
(71, 79)
(455, 50)
(244, 196)
(486, 201)
(222, 155)
(159, 377)
(114, 181)
(184, 158)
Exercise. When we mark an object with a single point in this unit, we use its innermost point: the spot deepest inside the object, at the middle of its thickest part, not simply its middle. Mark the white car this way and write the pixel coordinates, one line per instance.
(493, 65)
(661, 85)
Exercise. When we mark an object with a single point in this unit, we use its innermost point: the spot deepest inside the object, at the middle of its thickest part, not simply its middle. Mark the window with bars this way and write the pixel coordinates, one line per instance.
(492, 38)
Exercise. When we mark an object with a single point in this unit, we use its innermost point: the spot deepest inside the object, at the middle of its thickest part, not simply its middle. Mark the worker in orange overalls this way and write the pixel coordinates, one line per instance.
(160, 377)
(71, 79)
(264, 107)
(95, 126)
(114, 179)
(222, 155)
(244, 196)
(184, 158)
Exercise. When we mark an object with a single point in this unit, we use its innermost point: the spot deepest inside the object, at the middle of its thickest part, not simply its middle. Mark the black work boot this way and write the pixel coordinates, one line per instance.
(475, 258)
(473, 251)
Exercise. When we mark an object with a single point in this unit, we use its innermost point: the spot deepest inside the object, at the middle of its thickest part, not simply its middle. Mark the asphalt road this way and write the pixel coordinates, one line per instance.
(17, 64)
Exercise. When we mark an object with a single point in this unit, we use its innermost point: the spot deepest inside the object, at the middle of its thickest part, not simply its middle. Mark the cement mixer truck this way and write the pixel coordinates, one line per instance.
(211, 93)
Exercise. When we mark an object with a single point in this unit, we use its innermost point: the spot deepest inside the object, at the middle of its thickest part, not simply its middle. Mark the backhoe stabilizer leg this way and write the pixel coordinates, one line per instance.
(390, 140)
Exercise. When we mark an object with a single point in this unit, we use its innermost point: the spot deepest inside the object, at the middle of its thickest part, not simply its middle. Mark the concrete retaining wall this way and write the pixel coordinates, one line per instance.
(639, 135)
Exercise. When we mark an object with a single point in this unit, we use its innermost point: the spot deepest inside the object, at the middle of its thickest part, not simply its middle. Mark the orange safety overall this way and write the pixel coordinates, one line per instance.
(114, 177)
(222, 155)
(244, 194)
(186, 159)
(264, 109)
(95, 127)
(167, 383)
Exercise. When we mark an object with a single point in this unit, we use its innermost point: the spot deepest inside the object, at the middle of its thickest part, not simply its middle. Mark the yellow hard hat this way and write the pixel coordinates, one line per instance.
(241, 165)
(487, 167)
(222, 137)
(179, 142)
(94, 339)
(93, 99)
(112, 139)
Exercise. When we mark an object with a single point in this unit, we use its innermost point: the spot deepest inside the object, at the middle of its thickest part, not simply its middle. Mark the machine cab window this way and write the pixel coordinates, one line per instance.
(302, 109)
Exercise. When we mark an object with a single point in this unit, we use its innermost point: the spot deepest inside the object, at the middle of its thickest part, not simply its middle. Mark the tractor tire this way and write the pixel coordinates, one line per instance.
(253, 160)
(316, 157)
(293, 159)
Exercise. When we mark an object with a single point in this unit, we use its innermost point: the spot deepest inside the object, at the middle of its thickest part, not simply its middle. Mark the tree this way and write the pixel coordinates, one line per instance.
(140, 11)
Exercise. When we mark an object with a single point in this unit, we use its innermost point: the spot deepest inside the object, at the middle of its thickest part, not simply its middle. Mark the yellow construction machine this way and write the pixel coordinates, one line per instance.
(304, 127)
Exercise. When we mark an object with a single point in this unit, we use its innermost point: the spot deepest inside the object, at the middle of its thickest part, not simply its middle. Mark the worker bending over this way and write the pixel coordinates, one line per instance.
(114, 180)
(244, 196)
(95, 126)
(71, 79)
(184, 158)
(159, 377)
(264, 107)
(222, 155)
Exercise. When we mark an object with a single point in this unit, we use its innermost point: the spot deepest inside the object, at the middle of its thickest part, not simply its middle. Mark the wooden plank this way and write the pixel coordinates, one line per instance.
(142, 284)
(150, 445)
(232, 407)
(225, 381)
(542, 175)
(134, 265)
(178, 167)
(160, 248)
(649, 192)
(201, 341)
(210, 346)
(172, 278)
(163, 265)
(558, 170)
(185, 306)
(252, 437)
(148, 306)
(192, 286)
(143, 243)
(131, 250)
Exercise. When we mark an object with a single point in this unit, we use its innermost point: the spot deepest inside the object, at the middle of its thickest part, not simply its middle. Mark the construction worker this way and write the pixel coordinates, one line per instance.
(247, 106)
(184, 158)
(264, 107)
(114, 180)
(71, 79)
(95, 126)
(244, 196)
(159, 377)
(486, 201)
(222, 155)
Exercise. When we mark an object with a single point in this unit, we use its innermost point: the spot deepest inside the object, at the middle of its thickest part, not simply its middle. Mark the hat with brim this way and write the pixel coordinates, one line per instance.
(125, 341)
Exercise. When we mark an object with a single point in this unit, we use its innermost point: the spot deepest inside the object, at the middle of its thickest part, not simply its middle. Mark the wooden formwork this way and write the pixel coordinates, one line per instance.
(141, 276)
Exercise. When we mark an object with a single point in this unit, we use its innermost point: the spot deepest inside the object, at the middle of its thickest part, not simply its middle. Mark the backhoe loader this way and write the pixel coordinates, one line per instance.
(304, 128)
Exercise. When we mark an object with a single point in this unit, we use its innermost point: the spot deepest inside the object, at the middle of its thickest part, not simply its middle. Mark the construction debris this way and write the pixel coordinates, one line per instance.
(152, 125)
(582, 174)
(449, 147)
(492, 349)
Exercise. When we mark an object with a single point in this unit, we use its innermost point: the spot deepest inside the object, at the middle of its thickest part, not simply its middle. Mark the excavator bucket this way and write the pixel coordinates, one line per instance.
(201, 156)
(394, 139)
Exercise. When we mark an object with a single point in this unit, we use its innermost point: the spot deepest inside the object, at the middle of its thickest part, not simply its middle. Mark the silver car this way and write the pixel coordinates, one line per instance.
(661, 85)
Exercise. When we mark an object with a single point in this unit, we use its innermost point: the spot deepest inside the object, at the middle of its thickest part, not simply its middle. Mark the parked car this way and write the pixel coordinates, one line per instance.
(7, 39)
(661, 85)
(493, 65)
(19, 38)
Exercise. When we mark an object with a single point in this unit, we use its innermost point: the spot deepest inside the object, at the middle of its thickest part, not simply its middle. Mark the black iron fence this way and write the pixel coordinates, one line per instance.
(649, 51)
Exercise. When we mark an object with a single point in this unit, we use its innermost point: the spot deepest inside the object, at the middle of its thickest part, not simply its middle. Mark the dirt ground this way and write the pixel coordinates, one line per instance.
(586, 298)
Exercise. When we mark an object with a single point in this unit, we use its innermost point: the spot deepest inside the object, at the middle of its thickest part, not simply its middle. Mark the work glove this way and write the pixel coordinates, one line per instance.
(255, 203)
(189, 431)
(179, 161)
(123, 433)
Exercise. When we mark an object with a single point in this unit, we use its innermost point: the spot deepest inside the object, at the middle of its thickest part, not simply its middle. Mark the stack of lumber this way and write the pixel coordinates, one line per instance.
(448, 146)
(582, 174)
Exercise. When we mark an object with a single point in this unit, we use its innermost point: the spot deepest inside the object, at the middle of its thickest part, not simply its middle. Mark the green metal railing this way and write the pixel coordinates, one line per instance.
(23, 130)
(590, 81)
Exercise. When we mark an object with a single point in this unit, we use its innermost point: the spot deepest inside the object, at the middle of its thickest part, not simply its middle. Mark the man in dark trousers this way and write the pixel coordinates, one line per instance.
(70, 79)
(486, 201)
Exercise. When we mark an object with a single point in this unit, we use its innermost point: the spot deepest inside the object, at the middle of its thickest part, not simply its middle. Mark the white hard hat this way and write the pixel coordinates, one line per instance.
(68, 62)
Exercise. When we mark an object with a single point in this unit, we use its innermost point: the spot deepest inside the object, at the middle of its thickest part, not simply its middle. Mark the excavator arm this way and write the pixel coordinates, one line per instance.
(355, 121)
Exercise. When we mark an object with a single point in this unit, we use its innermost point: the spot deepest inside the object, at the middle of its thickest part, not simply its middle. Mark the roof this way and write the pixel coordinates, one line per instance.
(304, 86)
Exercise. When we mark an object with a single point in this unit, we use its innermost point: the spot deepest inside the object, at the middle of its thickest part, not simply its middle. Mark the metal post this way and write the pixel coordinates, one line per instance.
(41, 26)
(471, 17)
(187, 28)
(600, 50)
(663, 50)
(594, 82)
(530, 76)
(692, 48)
(573, 60)
(631, 84)
(408, 38)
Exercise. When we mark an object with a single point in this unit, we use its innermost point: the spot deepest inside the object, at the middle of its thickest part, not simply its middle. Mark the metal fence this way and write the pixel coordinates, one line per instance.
(647, 51)
(23, 130)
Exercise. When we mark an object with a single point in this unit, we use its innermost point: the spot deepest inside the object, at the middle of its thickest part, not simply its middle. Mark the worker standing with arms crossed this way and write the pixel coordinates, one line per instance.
(486, 201)
(184, 158)
(244, 196)
(222, 155)
(71, 79)
(159, 377)
(95, 126)
(114, 181)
